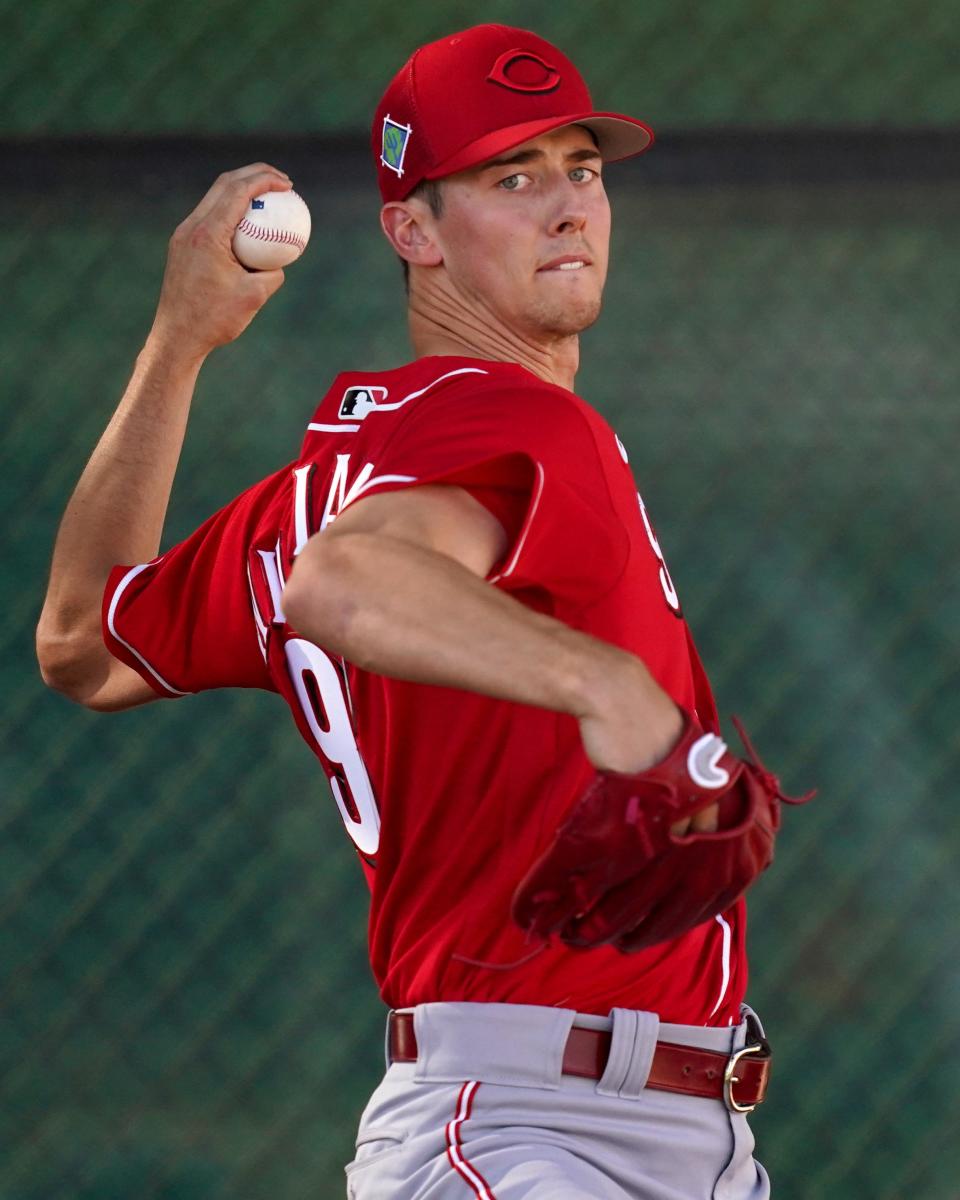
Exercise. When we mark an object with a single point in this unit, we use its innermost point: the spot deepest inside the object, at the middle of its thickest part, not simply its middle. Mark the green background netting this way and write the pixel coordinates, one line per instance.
(185, 1005)
(158, 65)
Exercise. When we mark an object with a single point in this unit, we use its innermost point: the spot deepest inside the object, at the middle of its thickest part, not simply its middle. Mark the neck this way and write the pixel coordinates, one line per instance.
(440, 322)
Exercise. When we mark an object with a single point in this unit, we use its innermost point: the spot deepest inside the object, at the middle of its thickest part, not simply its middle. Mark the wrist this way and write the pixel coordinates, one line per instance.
(615, 681)
(627, 721)
(172, 349)
(589, 673)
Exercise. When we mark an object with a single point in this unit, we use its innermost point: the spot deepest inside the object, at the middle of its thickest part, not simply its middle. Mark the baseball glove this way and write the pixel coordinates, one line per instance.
(614, 873)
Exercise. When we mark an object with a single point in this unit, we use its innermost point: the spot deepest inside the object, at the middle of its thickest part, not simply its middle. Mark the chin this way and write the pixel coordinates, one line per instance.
(568, 319)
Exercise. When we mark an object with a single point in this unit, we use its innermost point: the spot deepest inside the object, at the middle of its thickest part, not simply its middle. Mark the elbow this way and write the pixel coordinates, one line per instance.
(53, 656)
(64, 664)
(320, 598)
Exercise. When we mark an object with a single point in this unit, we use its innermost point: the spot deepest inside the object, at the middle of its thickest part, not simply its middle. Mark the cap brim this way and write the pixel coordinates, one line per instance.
(618, 137)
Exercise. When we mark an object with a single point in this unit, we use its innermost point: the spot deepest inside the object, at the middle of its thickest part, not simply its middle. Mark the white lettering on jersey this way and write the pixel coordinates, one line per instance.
(341, 495)
(319, 684)
(257, 619)
(337, 743)
(271, 571)
(669, 591)
(301, 506)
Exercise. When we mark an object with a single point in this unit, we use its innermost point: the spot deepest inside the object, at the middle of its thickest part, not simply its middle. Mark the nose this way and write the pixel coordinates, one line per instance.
(569, 209)
(570, 219)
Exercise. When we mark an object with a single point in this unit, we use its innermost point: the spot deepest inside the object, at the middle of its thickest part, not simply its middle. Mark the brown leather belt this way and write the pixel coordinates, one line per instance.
(738, 1079)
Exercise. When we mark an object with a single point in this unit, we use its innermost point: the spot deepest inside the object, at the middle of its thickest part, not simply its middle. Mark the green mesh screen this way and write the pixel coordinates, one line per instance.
(186, 1009)
(77, 66)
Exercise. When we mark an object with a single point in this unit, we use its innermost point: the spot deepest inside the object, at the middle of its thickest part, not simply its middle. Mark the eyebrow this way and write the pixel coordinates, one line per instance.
(518, 158)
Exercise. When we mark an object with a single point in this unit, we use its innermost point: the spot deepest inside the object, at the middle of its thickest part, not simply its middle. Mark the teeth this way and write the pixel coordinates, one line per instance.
(570, 266)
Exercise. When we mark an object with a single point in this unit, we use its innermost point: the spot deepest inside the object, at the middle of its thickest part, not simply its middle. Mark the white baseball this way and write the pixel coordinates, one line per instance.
(274, 231)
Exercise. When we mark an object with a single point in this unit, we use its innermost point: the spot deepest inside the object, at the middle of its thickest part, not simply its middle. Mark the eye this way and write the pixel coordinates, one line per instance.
(583, 174)
(513, 183)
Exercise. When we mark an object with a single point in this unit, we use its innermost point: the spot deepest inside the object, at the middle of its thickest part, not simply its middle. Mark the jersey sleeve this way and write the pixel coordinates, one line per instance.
(530, 457)
(184, 621)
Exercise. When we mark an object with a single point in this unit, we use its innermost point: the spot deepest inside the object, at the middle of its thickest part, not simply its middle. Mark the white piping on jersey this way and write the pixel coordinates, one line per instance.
(515, 557)
(356, 492)
(317, 427)
(111, 614)
(725, 961)
(432, 383)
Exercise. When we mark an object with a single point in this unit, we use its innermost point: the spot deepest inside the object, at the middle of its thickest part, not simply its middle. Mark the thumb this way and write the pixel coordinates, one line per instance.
(271, 282)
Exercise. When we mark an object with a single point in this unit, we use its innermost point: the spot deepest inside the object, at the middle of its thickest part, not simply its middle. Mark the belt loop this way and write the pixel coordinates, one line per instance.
(753, 1026)
(633, 1040)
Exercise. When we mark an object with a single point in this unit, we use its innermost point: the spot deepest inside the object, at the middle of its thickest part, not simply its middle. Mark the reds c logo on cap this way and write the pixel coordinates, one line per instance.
(524, 71)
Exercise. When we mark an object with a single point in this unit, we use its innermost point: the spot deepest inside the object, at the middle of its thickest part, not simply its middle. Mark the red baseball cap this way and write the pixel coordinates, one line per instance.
(468, 97)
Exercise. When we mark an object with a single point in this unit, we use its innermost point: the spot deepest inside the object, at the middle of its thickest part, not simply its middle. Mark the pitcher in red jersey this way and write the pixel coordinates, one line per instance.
(457, 589)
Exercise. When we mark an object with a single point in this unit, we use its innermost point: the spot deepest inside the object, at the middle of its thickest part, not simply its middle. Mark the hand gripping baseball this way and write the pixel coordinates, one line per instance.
(208, 298)
(615, 874)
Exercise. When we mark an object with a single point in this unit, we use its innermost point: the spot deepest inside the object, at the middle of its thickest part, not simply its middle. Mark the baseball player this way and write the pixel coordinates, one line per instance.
(458, 591)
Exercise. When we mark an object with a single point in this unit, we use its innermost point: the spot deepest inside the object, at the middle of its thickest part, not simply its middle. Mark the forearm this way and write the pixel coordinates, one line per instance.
(407, 611)
(117, 509)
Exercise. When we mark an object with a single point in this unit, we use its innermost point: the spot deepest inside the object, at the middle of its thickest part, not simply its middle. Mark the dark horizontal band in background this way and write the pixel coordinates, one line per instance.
(702, 156)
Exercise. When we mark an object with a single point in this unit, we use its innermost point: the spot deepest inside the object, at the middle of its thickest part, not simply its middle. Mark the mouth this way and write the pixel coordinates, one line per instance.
(569, 262)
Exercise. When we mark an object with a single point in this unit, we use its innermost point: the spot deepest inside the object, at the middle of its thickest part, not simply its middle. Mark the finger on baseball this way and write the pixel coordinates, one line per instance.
(227, 183)
(234, 199)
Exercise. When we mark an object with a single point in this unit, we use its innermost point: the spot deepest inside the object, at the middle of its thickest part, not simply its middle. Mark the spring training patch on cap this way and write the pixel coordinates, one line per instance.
(395, 140)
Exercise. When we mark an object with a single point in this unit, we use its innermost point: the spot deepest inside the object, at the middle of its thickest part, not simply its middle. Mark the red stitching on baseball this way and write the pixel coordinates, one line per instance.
(264, 234)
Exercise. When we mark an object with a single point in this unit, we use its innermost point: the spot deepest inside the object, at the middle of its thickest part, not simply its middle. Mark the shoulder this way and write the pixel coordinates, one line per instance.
(443, 409)
(436, 383)
(510, 398)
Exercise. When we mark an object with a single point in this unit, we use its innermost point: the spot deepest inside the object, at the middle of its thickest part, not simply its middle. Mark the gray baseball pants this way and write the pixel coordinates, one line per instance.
(485, 1113)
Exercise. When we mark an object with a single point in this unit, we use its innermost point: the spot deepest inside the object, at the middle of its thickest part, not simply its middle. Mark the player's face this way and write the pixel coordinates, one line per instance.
(525, 237)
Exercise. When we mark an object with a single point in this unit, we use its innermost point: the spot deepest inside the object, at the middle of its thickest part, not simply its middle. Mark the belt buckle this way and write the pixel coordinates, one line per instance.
(762, 1046)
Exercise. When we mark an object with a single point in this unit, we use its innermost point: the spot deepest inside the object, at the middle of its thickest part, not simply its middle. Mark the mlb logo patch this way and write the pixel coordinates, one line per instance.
(358, 401)
(396, 138)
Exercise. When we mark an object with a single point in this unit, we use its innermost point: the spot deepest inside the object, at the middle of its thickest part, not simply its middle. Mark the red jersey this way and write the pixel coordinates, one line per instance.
(448, 796)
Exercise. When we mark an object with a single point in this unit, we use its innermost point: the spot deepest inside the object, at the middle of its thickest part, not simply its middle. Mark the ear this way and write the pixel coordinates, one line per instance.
(408, 227)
